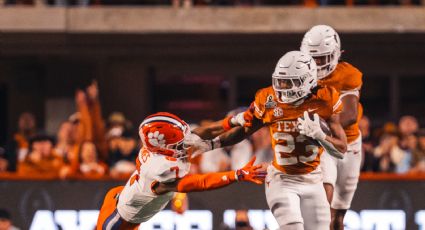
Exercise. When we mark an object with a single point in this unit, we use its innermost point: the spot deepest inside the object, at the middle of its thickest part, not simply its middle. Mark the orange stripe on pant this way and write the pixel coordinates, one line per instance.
(108, 208)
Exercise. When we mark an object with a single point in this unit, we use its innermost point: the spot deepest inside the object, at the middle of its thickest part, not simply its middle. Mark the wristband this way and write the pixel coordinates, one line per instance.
(215, 143)
(226, 123)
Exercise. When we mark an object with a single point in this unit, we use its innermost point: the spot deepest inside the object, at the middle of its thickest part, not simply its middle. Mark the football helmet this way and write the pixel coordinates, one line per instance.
(163, 133)
(294, 77)
(323, 44)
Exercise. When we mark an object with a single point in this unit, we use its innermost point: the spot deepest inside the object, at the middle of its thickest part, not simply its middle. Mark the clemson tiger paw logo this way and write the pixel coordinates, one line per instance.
(156, 139)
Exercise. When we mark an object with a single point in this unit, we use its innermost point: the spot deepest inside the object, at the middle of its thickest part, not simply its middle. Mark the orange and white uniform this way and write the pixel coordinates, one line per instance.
(344, 174)
(137, 202)
(294, 189)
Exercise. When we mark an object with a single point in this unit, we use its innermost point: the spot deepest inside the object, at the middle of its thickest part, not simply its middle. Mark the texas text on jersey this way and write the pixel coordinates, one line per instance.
(294, 153)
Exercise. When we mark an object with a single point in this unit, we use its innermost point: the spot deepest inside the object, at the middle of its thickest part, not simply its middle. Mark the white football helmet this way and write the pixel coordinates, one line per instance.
(323, 44)
(294, 76)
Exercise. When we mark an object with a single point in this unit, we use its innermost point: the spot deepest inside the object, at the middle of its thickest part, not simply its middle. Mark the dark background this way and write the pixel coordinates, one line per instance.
(196, 76)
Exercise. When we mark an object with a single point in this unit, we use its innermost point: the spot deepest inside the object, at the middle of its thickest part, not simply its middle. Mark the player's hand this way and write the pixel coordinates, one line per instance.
(243, 119)
(197, 144)
(252, 173)
(238, 120)
(311, 128)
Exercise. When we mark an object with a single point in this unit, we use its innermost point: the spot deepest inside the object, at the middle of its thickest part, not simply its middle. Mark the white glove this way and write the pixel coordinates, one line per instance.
(200, 145)
(311, 128)
(238, 120)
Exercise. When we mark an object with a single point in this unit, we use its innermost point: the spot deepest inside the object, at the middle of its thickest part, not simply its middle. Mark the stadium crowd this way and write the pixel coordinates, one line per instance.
(87, 146)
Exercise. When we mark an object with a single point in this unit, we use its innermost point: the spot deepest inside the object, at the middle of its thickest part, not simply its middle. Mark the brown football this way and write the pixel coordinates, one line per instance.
(325, 127)
(323, 124)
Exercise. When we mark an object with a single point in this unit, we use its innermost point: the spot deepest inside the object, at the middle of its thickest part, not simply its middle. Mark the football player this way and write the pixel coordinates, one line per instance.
(340, 177)
(293, 109)
(162, 169)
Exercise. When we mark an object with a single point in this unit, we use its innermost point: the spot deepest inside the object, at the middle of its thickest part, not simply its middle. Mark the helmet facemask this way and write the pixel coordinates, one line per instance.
(294, 77)
(179, 150)
(290, 89)
(326, 63)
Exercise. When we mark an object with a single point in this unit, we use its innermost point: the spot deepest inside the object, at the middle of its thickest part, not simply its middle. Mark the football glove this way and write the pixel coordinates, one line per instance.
(200, 145)
(252, 173)
(311, 128)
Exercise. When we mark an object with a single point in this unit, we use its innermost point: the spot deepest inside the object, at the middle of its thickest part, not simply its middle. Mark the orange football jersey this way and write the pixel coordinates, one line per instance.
(294, 153)
(347, 79)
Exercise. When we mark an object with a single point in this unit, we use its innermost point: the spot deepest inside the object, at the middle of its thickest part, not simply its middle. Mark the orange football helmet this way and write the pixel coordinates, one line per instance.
(164, 133)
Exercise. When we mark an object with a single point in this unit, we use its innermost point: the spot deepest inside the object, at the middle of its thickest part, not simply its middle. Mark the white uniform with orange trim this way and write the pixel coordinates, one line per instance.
(137, 202)
(344, 174)
(294, 188)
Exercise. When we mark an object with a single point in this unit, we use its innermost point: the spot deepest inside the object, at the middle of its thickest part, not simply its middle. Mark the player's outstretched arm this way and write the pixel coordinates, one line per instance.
(216, 128)
(228, 138)
(336, 145)
(201, 182)
(211, 130)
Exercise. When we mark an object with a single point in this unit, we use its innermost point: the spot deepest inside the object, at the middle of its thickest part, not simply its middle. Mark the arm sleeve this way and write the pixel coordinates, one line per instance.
(259, 108)
(202, 182)
(354, 82)
(255, 110)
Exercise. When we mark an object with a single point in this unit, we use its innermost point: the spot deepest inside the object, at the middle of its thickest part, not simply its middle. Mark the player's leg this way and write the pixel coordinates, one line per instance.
(315, 207)
(346, 184)
(328, 165)
(108, 211)
(283, 201)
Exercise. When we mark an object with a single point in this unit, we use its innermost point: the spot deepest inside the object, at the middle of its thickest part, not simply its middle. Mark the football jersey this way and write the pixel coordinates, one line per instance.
(294, 153)
(347, 80)
(137, 203)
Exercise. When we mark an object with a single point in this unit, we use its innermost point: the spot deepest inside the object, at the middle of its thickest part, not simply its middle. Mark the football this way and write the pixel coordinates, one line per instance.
(323, 124)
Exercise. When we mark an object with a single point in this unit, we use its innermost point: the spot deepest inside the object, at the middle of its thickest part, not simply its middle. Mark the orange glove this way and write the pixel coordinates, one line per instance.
(201, 182)
(252, 173)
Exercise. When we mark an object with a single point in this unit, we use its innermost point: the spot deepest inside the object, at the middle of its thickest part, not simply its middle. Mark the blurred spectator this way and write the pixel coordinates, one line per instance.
(65, 140)
(17, 148)
(122, 158)
(418, 155)
(369, 159)
(388, 153)
(408, 144)
(407, 125)
(89, 163)
(86, 125)
(116, 124)
(262, 148)
(6, 221)
(98, 124)
(42, 159)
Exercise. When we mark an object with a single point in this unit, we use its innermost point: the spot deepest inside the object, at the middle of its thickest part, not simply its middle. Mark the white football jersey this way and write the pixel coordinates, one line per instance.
(137, 202)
